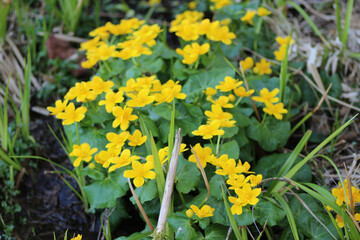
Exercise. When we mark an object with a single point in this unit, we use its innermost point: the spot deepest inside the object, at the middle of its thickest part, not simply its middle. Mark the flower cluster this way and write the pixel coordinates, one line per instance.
(261, 68)
(190, 25)
(342, 195)
(218, 4)
(269, 99)
(280, 53)
(250, 14)
(136, 38)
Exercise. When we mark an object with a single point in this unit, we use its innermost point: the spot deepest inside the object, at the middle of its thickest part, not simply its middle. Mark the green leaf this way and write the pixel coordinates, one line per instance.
(204, 79)
(270, 135)
(215, 231)
(164, 110)
(181, 225)
(187, 176)
(266, 211)
(245, 218)
(231, 149)
(241, 119)
(204, 222)
(190, 117)
(93, 173)
(215, 186)
(98, 115)
(103, 194)
(147, 192)
(230, 132)
(179, 70)
(95, 137)
(269, 166)
(150, 125)
(306, 223)
(152, 66)
(230, 216)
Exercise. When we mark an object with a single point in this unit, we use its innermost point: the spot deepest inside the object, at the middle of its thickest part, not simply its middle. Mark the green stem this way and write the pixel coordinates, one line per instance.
(237, 102)
(218, 145)
(77, 134)
(257, 31)
(212, 145)
(264, 117)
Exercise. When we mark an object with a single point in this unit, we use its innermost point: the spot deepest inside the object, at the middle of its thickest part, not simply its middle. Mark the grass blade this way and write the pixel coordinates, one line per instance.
(338, 18)
(289, 215)
(344, 35)
(160, 179)
(231, 217)
(283, 71)
(296, 168)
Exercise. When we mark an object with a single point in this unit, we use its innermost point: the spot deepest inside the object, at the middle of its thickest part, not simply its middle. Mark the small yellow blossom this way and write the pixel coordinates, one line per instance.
(209, 92)
(82, 92)
(203, 155)
(78, 237)
(229, 168)
(247, 64)
(263, 12)
(248, 195)
(59, 107)
(93, 43)
(339, 221)
(208, 131)
(280, 54)
(71, 115)
(98, 86)
(139, 172)
(231, 97)
(341, 198)
(189, 213)
(244, 168)
(236, 208)
(154, 2)
(237, 182)
(262, 67)
(275, 110)
(162, 157)
(116, 141)
(205, 211)
(249, 15)
(170, 90)
(192, 52)
(141, 99)
(82, 152)
(136, 139)
(123, 160)
(228, 84)
(221, 3)
(223, 101)
(285, 40)
(187, 30)
(225, 21)
(241, 92)
(217, 114)
(123, 116)
(111, 99)
(266, 96)
(104, 157)
(91, 166)
(192, 5)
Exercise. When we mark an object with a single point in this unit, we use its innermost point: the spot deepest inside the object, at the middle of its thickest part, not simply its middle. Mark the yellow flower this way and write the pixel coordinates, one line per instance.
(139, 172)
(146, 35)
(275, 110)
(228, 84)
(280, 54)
(285, 40)
(203, 155)
(182, 149)
(123, 117)
(162, 157)
(215, 32)
(262, 67)
(116, 141)
(249, 16)
(339, 221)
(340, 194)
(111, 99)
(263, 12)
(89, 63)
(244, 168)
(237, 182)
(209, 92)
(229, 168)
(71, 115)
(192, 52)
(248, 195)
(221, 3)
(205, 211)
(217, 114)
(93, 43)
(59, 107)
(170, 90)
(78, 237)
(92, 165)
(82, 92)
(123, 160)
(136, 139)
(231, 97)
(141, 99)
(223, 101)
(104, 157)
(225, 21)
(241, 92)
(189, 213)
(101, 32)
(154, 2)
(186, 30)
(254, 180)
(236, 208)
(82, 152)
(247, 64)
(209, 130)
(266, 96)
(192, 5)
(98, 86)
(218, 161)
